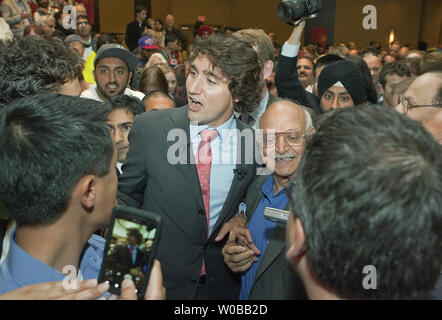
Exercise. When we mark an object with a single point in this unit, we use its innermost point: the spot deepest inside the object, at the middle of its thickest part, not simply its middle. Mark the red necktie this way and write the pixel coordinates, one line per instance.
(203, 166)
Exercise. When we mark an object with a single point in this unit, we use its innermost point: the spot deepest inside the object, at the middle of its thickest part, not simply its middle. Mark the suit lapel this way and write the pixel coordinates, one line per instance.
(274, 248)
(179, 120)
(254, 195)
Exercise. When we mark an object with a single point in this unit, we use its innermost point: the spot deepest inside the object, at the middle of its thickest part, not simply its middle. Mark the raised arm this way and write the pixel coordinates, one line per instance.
(286, 78)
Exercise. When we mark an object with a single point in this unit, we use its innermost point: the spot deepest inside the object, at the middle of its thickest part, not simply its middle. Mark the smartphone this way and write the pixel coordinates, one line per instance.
(130, 249)
(276, 215)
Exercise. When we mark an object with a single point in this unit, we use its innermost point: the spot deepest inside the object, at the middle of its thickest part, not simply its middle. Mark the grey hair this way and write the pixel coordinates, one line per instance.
(308, 122)
(41, 22)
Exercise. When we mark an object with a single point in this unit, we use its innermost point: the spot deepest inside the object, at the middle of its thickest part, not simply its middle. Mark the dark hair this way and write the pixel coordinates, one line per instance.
(82, 16)
(48, 142)
(398, 68)
(326, 60)
(422, 45)
(140, 8)
(238, 62)
(35, 65)
(153, 79)
(372, 94)
(128, 103)
(368, 193)
(106, 38)
(57, 15)
(136, 234)
(369, 51)
(309, 59)
(169, 38)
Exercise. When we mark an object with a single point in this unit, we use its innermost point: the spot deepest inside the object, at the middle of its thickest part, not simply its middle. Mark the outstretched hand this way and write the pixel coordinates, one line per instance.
(237, 257)
(86, 290)
(238, 225)
(155, 289)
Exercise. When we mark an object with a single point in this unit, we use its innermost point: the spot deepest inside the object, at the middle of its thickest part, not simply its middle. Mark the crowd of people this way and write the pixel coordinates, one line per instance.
(209, 132)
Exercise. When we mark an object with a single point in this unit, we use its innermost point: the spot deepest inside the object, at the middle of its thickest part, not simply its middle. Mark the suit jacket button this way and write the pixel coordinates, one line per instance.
(201, 211)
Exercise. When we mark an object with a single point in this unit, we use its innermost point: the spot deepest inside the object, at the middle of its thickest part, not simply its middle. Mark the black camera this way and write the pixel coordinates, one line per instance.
(290, 11)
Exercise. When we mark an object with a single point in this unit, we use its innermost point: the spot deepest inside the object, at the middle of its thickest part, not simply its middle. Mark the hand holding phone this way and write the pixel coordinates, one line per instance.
(276, 215)
(130, 248)
(155, 289)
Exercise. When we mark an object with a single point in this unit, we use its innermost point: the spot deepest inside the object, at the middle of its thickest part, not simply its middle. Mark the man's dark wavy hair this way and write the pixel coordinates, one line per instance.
(34, 65)
(238, 62)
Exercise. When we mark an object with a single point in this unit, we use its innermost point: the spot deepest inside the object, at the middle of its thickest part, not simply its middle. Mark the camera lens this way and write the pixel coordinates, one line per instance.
(285, 12)
(289, 11)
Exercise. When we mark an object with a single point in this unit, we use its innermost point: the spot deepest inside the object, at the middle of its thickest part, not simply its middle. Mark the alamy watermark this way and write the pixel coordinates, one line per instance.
(370, 281)
(70, 282)
(70, 17)
(249, 149)
(370, 21)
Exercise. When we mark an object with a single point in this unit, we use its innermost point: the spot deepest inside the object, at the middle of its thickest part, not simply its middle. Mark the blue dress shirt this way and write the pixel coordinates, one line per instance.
(261, 230)
(21, 269)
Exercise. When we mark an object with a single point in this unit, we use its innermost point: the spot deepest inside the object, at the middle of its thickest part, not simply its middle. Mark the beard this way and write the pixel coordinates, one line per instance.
(120, 90)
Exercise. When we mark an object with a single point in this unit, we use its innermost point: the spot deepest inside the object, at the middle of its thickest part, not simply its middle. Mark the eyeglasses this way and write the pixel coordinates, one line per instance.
(292, 138)
(407, 105)
(79, 24)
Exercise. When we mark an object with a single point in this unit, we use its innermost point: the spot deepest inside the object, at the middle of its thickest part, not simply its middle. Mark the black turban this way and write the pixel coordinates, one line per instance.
(349, 74)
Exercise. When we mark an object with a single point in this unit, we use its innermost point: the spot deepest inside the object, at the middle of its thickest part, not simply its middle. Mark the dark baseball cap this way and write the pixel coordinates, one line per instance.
(74, 37)
(113, 50)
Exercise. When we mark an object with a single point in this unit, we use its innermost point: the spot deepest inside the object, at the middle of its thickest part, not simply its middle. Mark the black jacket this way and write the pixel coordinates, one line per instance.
(289, 86)
(133, 34)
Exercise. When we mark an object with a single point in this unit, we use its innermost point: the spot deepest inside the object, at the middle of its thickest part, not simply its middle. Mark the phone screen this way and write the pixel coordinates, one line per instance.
(129, 252)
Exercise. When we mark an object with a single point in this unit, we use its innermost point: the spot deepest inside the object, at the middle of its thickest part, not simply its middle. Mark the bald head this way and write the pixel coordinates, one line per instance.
(169, 21)
(283, 114)
(285, 126)
(424, 90)
(158, 100)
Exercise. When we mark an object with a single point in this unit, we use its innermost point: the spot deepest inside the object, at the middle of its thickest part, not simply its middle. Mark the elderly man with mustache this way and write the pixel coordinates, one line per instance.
(267, 275)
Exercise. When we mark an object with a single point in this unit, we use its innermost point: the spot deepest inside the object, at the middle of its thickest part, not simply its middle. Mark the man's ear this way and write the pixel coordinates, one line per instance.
(130, 77)
(88, 192)
(312, 131)
(267, 69)
(296, 245)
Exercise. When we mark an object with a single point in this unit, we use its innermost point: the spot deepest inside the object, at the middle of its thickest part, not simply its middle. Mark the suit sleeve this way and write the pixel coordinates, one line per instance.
(286, 79)
(132, 183)
(289, 86)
